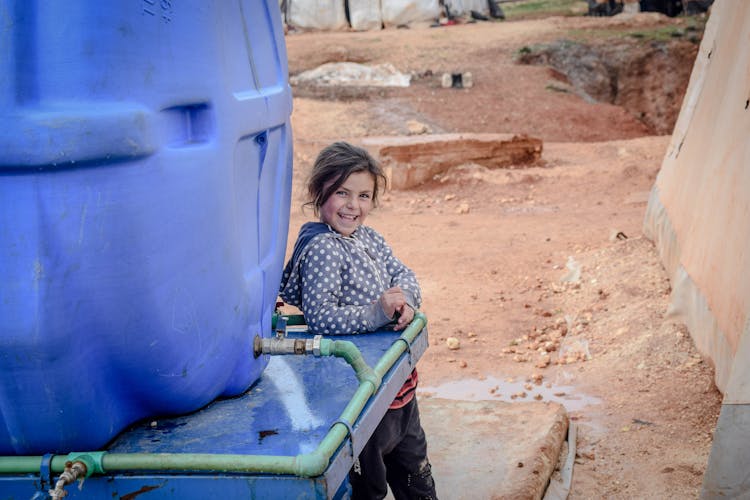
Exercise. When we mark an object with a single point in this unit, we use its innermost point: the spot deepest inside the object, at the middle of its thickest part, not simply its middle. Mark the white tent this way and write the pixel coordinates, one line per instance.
(316, 14)
(699, 218)
(363, 14)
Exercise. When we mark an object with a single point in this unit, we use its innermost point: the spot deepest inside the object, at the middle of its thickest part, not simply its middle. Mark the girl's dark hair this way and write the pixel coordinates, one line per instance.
(334, 165)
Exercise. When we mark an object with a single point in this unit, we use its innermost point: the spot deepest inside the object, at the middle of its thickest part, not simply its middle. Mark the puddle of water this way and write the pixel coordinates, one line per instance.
(496, 389)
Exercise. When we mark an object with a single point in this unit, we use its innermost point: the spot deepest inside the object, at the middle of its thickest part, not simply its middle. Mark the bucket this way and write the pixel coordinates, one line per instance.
(145, 180)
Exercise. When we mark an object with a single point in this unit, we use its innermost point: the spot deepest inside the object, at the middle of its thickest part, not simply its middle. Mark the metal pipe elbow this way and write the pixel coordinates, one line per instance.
(310, 464)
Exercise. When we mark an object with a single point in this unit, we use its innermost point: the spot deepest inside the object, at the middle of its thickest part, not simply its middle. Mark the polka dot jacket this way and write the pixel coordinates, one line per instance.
(336, 280)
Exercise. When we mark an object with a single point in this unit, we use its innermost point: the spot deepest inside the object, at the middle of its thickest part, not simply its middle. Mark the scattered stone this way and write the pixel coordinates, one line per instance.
(453, 343)
(544, 361)
(414, 127)
(463, 208)
(462, 364)
(538, 397)
(468, 80)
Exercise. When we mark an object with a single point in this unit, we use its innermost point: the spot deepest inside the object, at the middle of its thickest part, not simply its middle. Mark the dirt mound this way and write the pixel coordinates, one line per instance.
(648, 80)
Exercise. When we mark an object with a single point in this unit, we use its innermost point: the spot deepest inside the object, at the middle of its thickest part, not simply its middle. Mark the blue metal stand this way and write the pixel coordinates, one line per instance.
(287, 412)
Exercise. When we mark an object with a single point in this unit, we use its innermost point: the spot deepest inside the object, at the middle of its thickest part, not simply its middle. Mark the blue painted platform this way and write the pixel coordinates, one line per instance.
(287, 412)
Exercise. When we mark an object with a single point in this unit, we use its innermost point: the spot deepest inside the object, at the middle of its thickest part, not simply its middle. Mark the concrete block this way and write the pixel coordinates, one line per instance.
(492, 449)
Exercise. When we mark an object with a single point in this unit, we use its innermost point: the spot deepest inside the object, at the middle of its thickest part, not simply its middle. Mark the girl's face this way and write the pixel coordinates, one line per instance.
(349, 205)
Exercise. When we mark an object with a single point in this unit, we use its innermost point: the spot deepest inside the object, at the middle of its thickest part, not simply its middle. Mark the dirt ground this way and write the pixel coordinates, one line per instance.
(492, 248)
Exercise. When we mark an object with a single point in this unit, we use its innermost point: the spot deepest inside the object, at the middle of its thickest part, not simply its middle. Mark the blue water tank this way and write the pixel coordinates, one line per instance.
(145, 181)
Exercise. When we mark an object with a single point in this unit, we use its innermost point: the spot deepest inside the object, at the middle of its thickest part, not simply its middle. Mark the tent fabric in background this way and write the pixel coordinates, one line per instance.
(400, 12)
(698, 216)
(330, 15)
(365, 15)
(700, 205)
(316, 14)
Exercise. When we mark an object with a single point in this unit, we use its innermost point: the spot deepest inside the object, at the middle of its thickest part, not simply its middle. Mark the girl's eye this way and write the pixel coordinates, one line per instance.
(341, 193)
(366, 196)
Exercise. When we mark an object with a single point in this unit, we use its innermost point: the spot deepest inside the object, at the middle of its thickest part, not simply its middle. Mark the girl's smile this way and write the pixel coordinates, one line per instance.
(347, 208)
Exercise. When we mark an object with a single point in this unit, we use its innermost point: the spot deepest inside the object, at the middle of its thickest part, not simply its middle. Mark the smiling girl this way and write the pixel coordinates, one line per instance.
(346, 280)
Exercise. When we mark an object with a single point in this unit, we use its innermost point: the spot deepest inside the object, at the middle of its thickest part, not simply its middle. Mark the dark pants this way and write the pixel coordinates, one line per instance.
(396, 454)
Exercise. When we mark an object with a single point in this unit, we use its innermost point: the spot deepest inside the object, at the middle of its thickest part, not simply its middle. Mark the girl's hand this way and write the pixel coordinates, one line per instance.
(393, 300)
(407, 314)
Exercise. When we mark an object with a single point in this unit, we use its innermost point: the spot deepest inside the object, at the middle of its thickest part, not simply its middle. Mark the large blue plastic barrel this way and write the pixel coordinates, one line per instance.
(145, 180)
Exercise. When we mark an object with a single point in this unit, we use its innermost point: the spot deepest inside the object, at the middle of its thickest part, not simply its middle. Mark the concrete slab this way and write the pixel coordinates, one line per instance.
(492, 449)
(412, 160)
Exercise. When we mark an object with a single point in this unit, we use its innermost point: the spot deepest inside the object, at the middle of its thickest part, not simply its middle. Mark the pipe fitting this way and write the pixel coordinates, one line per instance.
(92, 460)
(350, 353)
(281, 346)
(72, 472)
(310, 464)
(316, 341)
(371, 376)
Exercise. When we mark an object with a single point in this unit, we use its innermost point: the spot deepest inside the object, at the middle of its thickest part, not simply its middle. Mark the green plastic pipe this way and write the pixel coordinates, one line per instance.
(20, 465)
(303, 465)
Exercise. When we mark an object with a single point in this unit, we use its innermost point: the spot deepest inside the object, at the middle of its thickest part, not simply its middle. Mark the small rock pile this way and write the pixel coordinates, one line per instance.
(543, 344)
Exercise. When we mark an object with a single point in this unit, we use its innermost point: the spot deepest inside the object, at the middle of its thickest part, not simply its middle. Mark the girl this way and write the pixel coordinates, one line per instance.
(345, 279)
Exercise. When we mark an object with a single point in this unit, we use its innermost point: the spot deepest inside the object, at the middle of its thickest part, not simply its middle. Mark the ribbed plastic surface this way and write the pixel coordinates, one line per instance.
(145, 179)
